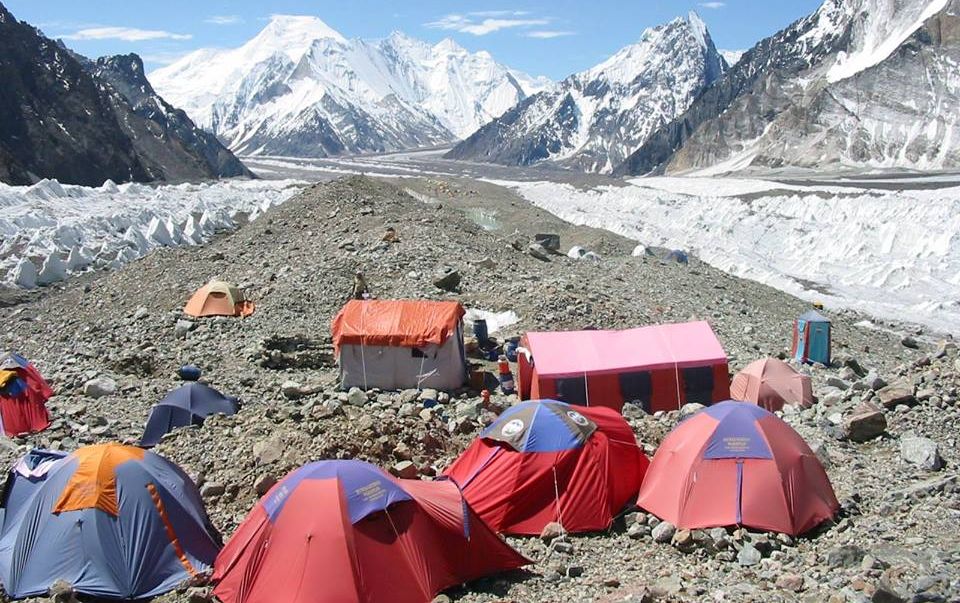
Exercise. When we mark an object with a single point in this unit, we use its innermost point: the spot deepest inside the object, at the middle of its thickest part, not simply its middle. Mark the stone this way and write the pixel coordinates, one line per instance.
(264, 483)
(405, 470)
(538, 251)
(62, 591)
(899, 392)
(908, 341)
(574, 571)
(182, 327)
(847, 555)
(690, 408)
(448, 280)
(874, 381)
(562, 546)
(838, 383)
(791, 582)
(266, 452)
(664, 531)
(428, 394)
(887, 593)
(551, 531)
(197, 594)
(819, 448)
(100, 387)
(638, 531)
(748, 555)
(292, 390)
(212, 490)
(356, 397)
(683, 539)
(864, 423)
(920, 451)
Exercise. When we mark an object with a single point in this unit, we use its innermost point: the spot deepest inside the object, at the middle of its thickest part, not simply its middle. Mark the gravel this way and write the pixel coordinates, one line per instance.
(298, 262)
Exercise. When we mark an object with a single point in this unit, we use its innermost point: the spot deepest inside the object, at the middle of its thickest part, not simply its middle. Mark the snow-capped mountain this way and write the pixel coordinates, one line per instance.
(594, 119)
(300, 88)
(858, 83)
(81, 121)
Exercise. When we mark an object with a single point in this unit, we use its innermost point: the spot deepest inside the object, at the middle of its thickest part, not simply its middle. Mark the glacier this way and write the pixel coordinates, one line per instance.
(890, 254)
(50, 230)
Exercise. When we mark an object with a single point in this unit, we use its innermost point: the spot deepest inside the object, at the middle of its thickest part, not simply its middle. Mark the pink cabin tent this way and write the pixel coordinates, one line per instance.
(660, 367)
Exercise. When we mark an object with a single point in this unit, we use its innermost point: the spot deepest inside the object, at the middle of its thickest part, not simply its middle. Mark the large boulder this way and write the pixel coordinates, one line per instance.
(897, 393)
(100, 387)
(864, 423)
(922, 452)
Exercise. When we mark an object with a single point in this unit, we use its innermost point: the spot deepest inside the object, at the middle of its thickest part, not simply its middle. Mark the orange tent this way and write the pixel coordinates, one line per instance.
(396, 322)
(771, 383)
(218, 298)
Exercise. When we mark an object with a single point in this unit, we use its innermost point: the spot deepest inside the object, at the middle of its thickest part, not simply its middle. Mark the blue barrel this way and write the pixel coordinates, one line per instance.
(510, 350)
(189, 372)
(480, 331)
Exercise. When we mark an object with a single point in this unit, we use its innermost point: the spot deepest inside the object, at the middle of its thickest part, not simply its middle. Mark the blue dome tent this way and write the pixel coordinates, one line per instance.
(189, 404)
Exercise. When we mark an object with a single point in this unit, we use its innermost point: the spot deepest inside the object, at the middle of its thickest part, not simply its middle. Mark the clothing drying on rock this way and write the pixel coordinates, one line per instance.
(189, 404)
(660, 367)
(345, 531)
(400, 344)
(771, 383)
(547, 461)
(23, 396)
(218, 298)
(736, 464)
(114, 521)
(811, 338)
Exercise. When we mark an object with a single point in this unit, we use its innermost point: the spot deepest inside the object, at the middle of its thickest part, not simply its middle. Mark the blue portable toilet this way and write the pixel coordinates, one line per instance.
(811, 338)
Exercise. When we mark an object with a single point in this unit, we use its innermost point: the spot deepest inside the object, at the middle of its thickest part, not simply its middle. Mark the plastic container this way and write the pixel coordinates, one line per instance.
(510, 350)
(189, 372)
(507, 385)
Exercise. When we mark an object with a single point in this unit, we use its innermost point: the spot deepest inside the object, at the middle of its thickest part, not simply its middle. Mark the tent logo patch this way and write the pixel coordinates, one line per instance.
(512, 428)
(577, 418)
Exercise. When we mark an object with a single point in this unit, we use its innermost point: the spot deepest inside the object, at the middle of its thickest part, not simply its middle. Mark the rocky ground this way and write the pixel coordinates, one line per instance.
(886, 424)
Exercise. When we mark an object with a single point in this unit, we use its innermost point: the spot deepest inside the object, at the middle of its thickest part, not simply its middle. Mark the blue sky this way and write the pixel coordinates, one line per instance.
(553, 38)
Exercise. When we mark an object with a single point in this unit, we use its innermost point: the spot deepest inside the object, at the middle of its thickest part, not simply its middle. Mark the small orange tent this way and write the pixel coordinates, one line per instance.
(218, 298)
(771, 383)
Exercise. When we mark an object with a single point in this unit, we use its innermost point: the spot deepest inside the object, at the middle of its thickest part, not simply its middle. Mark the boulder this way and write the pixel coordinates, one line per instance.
(264, 483)
(100, 387)
(663, 531)
(269, 451)
(748, 555)
(690, 408)
(405, 470)
(551, 531)
(899, 392)
(538, 251)
(356, 397)
(448, 280)
(864, 423)
(212, 490)
(847, 555)
(922, 452)
(62, 591)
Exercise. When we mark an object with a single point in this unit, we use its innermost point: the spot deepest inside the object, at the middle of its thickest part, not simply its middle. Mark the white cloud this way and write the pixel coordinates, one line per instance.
(224, 19)
(469, 23)
(128, 34)
(713, 5)
(548, 33)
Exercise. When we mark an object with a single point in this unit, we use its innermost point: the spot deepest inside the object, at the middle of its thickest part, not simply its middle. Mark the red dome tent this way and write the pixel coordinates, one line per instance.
(346, 532)
(546, 461)
(735, 463)
(660, 367)
(23, 396)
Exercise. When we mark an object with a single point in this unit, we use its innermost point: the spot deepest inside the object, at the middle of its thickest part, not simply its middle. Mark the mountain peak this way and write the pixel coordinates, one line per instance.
(448, 45)
(698, 27)
(297, 29)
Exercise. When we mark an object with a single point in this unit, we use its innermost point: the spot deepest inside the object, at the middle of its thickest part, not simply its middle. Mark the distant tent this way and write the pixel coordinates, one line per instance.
(23, 396)
(736, 464)
(114, 521)
(400, 344)
(189, 404)
(811, 338)
(547, 461)
(218, 298)
(339, 531)
(771, 383)
(659, 367)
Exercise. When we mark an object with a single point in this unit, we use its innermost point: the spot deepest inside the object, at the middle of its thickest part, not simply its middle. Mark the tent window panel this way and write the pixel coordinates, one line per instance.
(417, 353)
(572, 390)
(698, 384)
(637, 388)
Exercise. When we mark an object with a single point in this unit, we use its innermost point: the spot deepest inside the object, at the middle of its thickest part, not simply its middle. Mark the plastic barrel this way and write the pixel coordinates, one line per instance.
(480, 331)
